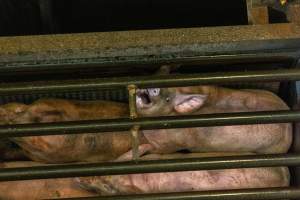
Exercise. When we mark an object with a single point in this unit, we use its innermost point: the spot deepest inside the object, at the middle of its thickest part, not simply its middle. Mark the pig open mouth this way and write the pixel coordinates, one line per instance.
(143, 99)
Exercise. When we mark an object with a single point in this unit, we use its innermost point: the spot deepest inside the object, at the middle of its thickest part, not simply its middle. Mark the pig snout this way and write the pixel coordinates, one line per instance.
(146, 98)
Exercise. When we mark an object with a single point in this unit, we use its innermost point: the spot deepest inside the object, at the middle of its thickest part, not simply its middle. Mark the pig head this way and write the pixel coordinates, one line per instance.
(69, 148)
(262, 139)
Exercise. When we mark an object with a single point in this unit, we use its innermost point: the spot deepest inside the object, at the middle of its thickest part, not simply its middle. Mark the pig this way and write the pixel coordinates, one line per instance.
(260, 139)
(39, 189)
(69, 148)
(188, 181)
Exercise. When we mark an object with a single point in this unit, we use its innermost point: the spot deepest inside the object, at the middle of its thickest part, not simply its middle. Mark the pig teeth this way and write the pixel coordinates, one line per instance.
(139, 102)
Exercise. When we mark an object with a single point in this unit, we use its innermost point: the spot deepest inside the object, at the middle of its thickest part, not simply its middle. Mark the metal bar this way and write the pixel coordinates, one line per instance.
(61, 66)
(135, 142)
(170, 122)
(135, 129)
(151, 81)
(132, 101)
(132, 167)
(249, 194)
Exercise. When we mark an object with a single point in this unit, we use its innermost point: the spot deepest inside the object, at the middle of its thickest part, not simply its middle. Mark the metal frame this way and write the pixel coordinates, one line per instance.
(73, 51)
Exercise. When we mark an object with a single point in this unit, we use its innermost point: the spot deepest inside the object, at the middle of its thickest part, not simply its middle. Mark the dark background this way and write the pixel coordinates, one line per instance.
(28, 17)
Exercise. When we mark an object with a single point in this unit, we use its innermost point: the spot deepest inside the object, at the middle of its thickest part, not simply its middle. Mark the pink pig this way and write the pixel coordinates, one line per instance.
(261, 139)
(203, 180)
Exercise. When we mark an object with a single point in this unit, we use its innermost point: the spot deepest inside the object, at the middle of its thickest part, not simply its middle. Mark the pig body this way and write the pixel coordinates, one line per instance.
(69, 148)
(189, 181)
(261, 138)
(39, 189)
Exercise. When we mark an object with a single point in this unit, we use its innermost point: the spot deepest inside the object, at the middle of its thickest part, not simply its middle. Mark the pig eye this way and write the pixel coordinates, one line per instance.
(154, 92)
(167, 99)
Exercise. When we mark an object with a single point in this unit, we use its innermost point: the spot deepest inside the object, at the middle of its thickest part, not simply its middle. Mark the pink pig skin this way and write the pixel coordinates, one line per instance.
(204, 180)
(261, 139)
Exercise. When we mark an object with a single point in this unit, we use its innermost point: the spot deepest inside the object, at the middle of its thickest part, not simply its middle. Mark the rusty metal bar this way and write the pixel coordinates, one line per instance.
(135, 142)
(249, 194)
(132, 101)
(170, 122)
(133, 114)
(132, 167)
(151, 81)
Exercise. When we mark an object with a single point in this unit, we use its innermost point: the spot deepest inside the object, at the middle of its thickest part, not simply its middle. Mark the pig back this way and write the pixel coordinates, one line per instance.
(260, 138)
(72, 148)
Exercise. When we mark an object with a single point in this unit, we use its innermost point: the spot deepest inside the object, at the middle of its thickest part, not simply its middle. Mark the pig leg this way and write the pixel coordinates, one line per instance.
(204, 180)
(187, 181)
(142, 150)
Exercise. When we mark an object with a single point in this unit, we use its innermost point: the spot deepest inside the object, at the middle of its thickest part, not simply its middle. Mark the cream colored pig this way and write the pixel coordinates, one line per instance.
(189, 181)
(261, 139)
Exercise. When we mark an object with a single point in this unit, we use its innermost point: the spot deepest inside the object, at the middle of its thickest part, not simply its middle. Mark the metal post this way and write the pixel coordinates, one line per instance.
(133, 114)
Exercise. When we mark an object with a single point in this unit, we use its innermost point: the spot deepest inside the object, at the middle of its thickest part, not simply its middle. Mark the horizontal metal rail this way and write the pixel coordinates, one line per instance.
(169, 122)
(250, 194)
(148, 46)
(134, 167)
(150, 81)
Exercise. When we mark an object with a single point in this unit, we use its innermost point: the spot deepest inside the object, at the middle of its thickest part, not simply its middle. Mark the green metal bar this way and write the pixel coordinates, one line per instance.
(134, 167)
(150, 81)
(133, 114)
(249, 194)
(170, 122)
(132, 101)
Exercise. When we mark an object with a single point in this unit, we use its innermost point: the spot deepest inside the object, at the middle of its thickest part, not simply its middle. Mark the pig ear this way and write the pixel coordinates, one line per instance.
(188, 103)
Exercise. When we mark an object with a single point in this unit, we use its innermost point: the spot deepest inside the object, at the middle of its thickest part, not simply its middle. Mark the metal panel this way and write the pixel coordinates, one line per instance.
(151, 47)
